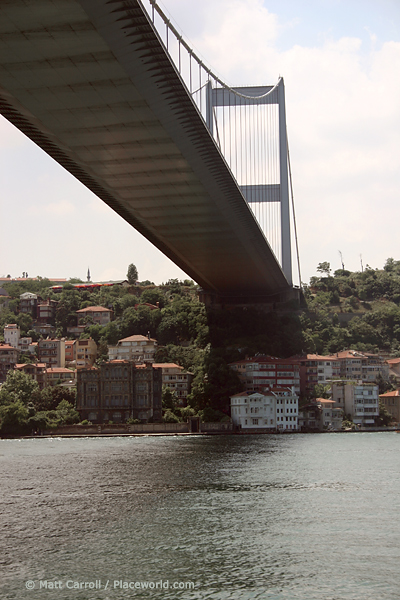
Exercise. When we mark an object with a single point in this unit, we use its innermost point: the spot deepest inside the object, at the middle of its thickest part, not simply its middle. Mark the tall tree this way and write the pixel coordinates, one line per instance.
(132, 274)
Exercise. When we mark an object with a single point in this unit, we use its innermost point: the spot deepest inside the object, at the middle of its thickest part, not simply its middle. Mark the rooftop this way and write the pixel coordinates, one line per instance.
(94, 309)
(137, 338)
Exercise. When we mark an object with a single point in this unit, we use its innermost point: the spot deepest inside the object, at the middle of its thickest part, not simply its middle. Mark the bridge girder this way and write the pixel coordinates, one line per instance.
(90, 83)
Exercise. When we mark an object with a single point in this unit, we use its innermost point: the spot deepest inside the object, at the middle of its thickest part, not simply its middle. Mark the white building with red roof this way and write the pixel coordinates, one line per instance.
(275, 409)
(138, 348)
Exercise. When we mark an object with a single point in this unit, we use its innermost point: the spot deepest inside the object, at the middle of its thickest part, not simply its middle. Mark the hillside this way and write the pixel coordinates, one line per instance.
(359, 310)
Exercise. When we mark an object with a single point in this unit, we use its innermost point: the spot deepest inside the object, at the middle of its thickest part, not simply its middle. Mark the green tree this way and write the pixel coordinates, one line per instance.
(385, 418)
(321, 391)
(132, 274)
(324, 267)
(18, 386)
(13, 417)
(153, 296)
(51, 396)
(169, 398)
(170, 417)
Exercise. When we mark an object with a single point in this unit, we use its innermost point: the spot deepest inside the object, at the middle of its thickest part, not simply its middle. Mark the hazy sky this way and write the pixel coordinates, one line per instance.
(340, 60)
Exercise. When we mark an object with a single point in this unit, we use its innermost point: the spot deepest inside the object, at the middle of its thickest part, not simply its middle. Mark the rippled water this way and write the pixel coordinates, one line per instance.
(279, 517)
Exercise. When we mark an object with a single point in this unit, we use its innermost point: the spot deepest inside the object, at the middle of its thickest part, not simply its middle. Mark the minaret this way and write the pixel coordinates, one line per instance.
(88, 274)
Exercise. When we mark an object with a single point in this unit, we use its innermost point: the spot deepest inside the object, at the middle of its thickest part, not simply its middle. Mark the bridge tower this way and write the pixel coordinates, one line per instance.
(252, 136)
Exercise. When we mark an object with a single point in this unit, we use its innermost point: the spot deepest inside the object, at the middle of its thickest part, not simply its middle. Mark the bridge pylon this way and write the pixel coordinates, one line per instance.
(249, 126)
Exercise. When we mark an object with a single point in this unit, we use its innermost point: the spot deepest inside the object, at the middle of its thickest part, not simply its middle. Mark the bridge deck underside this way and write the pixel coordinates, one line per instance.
(90, 83)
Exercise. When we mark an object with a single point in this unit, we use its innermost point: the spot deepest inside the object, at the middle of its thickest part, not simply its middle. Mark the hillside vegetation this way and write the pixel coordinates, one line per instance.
(359, 310)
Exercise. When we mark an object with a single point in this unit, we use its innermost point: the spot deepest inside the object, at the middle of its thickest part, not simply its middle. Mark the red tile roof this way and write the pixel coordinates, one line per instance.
(94, 309)
(137, 338)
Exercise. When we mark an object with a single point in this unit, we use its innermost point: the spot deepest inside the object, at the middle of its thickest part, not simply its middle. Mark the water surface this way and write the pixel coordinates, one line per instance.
(287, 517)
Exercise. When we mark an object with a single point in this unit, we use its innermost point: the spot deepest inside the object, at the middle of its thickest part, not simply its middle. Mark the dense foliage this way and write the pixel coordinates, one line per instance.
(359, 310)
(26, 409)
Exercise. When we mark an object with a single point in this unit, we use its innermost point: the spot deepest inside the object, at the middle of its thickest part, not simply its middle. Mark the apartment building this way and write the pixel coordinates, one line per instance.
(69, 353)
(176, 378)
(12, 334)
(8, 359)
(276, 409)
(349, 364)
(138, 348)
(259, 372)
(99, 315)
(320, 415)
(360, 400)
(56, 375)
(28, 304)
(314, 369)
(52, 352)
(46, 311)
(119, 390)
(362, 366)
(26, 345)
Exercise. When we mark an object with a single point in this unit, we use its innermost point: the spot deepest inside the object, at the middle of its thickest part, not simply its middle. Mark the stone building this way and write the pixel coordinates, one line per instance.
(119, 390)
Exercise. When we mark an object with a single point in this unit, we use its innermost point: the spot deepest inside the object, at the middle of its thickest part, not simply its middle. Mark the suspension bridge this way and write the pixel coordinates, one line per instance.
(112, 91)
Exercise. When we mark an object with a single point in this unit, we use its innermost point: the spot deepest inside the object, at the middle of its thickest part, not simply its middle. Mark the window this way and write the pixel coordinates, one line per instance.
(255, 421)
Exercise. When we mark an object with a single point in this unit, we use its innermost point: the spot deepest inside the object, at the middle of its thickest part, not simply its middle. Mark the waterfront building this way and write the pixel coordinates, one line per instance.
(259, 372)
(176, 378)
(52, 352)
(331, 416)
(8, 359)
(119, 390)
(99, 315)
(391, 401)
(275, 409)
(138, 348)
(320, 415)
(358, 400)
(310, 417)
